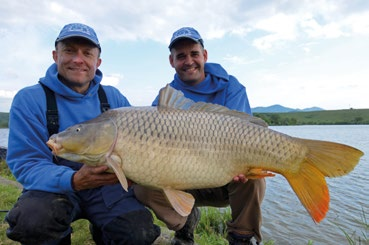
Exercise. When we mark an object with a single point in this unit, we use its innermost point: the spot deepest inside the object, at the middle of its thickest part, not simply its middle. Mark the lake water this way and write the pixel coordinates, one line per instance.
(4, 132)
(285, 220)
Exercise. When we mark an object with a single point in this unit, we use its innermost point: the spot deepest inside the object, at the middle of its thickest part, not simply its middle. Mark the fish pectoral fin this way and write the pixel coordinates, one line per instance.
(114, 162)
(257, 173)
(181, 201)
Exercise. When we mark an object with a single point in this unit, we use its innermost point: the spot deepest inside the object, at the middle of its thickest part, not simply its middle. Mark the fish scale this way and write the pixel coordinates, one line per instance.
(182, 145)
(193, 146)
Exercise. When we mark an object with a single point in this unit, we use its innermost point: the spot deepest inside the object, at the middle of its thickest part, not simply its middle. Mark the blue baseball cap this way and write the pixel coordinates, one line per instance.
(78, 30)
(186, 32)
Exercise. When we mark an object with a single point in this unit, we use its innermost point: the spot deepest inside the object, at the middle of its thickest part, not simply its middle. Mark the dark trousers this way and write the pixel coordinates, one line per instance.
(244, 200)
(116, 216)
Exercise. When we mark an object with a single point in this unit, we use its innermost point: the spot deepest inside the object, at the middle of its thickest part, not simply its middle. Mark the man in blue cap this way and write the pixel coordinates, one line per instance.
(209, 82)
(58, 192)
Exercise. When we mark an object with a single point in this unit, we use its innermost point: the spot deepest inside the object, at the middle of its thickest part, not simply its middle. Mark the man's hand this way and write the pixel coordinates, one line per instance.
(240, 178)
(91, 177)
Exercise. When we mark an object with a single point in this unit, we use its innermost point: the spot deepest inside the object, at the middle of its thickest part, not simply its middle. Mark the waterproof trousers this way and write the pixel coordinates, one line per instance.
(45, 218)
(244, 200)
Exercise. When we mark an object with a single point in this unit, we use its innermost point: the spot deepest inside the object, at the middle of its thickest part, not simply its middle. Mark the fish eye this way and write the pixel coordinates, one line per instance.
(78, 129)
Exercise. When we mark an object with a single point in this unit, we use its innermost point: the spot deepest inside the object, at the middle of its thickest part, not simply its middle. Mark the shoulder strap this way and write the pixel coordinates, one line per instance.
(52, 118)
(104, 105)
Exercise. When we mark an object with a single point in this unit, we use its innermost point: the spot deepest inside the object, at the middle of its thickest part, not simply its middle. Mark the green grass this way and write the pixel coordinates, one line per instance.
(211, 229)
(4, 119)
(357, 239)
(328, 117)
(9, 195)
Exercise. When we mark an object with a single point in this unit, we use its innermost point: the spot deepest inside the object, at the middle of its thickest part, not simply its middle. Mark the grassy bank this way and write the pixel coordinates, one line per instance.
(211, 229)
(326, 117)
(329, 117)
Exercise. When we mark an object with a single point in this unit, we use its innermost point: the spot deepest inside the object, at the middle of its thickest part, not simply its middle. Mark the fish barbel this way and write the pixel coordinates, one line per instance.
(181, 145)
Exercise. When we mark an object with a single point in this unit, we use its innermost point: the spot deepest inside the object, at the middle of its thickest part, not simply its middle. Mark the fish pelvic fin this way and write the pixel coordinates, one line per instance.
(115, 164)
(257, 173)
(332, 159)
(169, 97)
(182, 202)
(312, 190)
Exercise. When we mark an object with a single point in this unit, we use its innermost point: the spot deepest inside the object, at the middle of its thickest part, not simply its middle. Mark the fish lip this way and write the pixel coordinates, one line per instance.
(55, 147)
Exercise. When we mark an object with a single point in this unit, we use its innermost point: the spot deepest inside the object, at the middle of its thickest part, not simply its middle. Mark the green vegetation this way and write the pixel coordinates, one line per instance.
(330, 117)
(9, 195)
(211, 229)
(4, 119)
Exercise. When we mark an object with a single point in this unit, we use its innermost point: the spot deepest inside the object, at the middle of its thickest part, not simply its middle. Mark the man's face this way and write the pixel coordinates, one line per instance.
(77, 61)
(188, 59)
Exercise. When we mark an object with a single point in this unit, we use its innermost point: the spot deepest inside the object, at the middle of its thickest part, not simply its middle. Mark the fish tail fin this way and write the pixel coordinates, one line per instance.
(323, 159)
(312, 190)
(332, 159)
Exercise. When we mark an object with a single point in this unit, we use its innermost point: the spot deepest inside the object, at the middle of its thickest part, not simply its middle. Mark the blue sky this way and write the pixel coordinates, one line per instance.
(298, 54)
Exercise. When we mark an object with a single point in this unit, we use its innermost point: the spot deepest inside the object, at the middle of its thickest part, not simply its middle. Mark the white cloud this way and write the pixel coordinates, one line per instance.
(113, 79)
(279, 30)
(238, 60)
(7, 94)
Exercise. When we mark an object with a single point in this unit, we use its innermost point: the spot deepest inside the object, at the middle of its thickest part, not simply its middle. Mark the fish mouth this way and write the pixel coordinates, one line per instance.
(54, 146)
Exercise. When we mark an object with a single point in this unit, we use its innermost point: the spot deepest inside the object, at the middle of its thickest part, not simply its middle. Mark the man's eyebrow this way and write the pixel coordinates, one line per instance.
(180, 54)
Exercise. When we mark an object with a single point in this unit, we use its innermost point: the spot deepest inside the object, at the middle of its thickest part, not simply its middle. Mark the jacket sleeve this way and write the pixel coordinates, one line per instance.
(28, 157)
(237, 97)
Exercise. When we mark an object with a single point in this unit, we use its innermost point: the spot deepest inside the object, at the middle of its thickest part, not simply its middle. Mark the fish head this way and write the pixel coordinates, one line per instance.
(88, 142)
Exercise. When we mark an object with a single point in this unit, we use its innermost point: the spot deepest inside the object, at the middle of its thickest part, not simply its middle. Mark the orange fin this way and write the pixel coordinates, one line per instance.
(115, 164)
(181, 201)
(257, 173)
(332, 159)
(323, 159)
(311, 188)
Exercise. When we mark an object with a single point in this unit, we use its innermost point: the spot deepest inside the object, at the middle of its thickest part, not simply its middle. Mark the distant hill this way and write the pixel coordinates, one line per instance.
(322, 117)
(282, 109)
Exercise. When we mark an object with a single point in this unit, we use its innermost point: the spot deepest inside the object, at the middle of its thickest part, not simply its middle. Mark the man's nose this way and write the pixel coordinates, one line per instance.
(188, 60)
(78, 56)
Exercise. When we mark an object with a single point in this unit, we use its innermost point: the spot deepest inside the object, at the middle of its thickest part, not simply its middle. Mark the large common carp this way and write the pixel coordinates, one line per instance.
(183, 145)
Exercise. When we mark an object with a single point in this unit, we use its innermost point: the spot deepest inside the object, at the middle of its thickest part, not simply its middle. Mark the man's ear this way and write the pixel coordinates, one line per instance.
(171, 60)
(205, 55)
(98, 62)
(55, 56)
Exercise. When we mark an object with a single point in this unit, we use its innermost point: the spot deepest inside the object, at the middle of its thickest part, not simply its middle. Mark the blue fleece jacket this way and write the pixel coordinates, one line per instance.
(28, 157)
(218, 88)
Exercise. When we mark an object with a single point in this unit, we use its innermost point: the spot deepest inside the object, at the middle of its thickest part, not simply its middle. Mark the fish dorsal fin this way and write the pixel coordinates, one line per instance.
(115, 164)
(181, 201)
(172, 98)
(202, 106)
